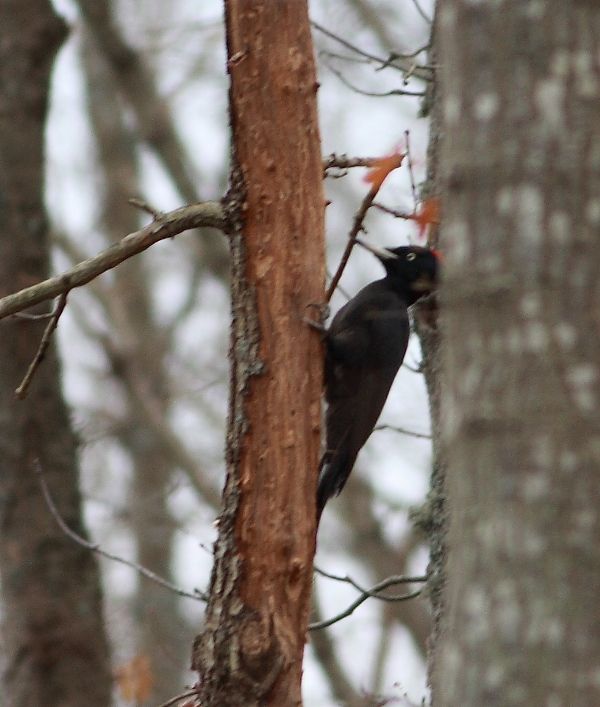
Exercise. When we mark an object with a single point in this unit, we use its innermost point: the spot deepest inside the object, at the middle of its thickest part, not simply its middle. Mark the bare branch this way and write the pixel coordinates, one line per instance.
(21, 391)
(421, 11)
(400, 62)
(34, 317)
(334, 161)
(178, 698)
(411, 173)
(95, 547)
(356, 228)
(393, 212)
(373, 94)
(410, 433)
(367, 594)
(209, 213)
(397, 579)
(144, 206)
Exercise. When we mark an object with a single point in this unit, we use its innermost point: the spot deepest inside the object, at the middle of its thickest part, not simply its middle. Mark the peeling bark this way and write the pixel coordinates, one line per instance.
(250, 651)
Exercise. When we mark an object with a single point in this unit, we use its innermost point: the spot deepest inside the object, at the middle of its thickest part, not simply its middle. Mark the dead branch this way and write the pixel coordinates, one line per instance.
(178, 698)
(206, 214)
(95, 547)
(373, 592)
(404, 64)
(21, 391)
(356, 228)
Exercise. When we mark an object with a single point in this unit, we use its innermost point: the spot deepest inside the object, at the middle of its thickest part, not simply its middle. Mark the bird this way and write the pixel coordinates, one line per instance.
(365, 345)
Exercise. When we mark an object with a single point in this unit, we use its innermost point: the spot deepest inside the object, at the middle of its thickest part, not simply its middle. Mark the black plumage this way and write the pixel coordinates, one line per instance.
(365, 346)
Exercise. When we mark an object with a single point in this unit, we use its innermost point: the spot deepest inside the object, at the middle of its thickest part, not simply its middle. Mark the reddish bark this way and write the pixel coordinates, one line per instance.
(251, 650)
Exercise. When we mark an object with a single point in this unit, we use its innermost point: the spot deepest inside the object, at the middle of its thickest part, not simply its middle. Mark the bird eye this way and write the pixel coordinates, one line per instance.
(411, 256)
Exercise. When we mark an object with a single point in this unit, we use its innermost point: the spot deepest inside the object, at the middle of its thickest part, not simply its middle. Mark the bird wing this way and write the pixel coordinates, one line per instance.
(366, 344)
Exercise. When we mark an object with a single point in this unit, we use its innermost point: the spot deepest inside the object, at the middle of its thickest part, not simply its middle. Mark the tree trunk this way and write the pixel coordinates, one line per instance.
(520, 167)
(139, 346)
(433, 519)
(250, 652)
(53, 635)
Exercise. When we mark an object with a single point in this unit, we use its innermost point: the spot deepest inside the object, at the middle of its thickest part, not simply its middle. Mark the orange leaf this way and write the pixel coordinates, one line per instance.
(427, 215)
(382, 167)
(135, 679)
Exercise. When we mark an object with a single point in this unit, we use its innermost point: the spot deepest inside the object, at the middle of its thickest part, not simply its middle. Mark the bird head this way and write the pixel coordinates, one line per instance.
(413, 268)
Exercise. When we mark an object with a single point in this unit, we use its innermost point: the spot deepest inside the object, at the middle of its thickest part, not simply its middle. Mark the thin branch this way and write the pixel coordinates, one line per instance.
(393, 212)
(21, 391)
(356, 228)
(422, 12)
(145, 206)
(370, 593)
(411, 174)
(334, 161)
(344, 57)
(95, 547)
(400, 63)
(410, 433)
(34, 317)
(395, 55)
(178, 698)
(397, 579)
(373, 94)
(209, 213)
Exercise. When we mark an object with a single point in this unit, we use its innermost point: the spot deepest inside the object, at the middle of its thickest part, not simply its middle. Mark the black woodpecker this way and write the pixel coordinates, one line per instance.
(365, 346)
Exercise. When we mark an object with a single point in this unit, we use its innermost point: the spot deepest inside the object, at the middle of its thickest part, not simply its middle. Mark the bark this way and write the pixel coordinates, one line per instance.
(53, 635)
(251, 649)
(433, 518)
(520, 167)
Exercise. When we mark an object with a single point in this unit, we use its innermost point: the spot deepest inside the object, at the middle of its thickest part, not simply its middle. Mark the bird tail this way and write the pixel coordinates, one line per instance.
(333, 474)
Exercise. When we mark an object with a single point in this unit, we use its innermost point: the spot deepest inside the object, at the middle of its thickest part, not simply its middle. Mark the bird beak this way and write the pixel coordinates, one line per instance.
(381, 253)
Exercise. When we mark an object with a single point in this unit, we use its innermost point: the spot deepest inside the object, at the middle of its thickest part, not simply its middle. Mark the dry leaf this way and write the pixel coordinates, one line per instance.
(382, 167)
(135, 679)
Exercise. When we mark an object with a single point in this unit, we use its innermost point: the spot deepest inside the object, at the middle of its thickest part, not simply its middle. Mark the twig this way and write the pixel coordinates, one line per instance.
(395, 55)
(344, 162)
(33, 317)
(411, 174)
(393, 212)
(145, 206)
(95, 547)
(209, 213)
(421, 11)
(21, 391)
(356, 228)
(397, 579)
(373, 94)
(370, 593)
(410, 433)
(349, 59)
(177, 698)
(401, 63)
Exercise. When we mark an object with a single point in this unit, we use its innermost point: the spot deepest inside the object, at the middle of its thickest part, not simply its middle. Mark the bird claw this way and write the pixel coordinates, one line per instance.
(322, 315)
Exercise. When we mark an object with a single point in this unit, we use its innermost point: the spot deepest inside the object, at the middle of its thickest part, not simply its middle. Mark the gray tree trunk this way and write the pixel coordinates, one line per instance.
(53, 637)
(520, 176)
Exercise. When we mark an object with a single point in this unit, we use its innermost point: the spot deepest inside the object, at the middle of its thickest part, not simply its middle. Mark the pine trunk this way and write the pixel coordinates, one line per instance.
(250, 651)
